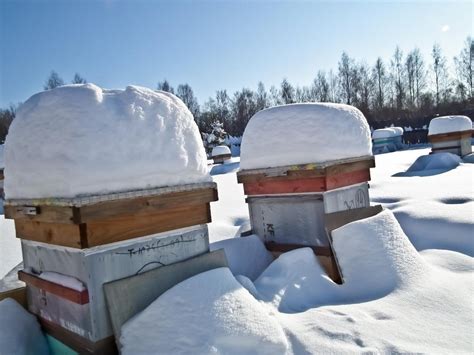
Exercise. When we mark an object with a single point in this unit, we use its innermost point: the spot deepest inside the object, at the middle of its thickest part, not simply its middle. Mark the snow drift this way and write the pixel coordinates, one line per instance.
(447, 124)
(210, 313)
(20, 331)
(81, 139)
(439, 161)
(304, 133)
(296, 282)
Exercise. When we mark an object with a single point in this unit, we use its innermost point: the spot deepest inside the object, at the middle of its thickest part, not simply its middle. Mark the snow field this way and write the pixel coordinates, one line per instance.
(82, 140)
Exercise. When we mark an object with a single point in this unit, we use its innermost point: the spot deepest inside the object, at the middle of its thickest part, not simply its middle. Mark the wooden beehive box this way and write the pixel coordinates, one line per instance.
(97, 220)
(288, 205)
(454, 142)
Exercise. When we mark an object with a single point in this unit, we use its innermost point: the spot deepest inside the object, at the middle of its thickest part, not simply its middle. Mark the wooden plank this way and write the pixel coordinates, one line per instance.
(76, 342)
(347, 179)
(79, 297)
(18, 294)
(50, 214)
(141, 290)
(337, 219)
(144, 205)
(450, 136)
(131, 226)
(350, 167)
(318, 250)
(303, 185)
(283, 186)
(68, 235)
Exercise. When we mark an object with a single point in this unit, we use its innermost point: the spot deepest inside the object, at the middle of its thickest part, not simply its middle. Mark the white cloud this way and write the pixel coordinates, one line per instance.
(445, 28)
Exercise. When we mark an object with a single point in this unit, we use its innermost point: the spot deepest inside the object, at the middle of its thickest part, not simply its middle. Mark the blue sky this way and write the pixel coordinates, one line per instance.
(210, 44)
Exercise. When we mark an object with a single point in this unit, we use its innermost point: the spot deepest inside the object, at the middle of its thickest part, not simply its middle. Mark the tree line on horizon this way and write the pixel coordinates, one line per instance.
(407, 89)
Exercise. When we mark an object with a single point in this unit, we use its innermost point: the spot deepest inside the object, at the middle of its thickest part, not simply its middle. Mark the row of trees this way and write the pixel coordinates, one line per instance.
(406, 89)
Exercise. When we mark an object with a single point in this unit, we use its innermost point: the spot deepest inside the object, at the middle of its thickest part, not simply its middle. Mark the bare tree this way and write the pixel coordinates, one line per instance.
(420, 74)
(380, 79)
(439, 68)
(78, 79)
(465, 66)
(287, 92)
(397, 77)
(320, 89)
(186, 94)
(262, 97)
(165, 86)
(53, 81)
(346, 79)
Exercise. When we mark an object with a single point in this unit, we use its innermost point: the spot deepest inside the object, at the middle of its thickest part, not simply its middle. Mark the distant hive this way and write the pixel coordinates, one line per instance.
(387, 139)
(451, 134)
(102, 184)
(220, 154)
(299, 164)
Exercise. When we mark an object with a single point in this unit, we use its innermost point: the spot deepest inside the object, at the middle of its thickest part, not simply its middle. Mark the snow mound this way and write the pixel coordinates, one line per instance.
(304, 133)
(375, 257)
(384, 133)
(81, 140)
(246, 256)
(210, 313)
(220, 150)
(20, 332)
(438, 161)
(447, 124)
(2, 160)
(398, 131)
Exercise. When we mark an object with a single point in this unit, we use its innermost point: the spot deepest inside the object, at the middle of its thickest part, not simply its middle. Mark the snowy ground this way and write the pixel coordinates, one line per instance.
(409, 291)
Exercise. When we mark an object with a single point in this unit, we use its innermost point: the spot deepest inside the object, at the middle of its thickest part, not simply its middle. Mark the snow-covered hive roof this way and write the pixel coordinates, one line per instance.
(384, 133)
(82, 140)
(220, 150)
(398, 131)
(304, 133)
(447, 124)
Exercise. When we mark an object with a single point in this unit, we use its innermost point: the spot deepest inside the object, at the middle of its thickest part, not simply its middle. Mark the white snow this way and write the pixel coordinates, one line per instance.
(220, 150)
(304, 133)
(447, 124)
(246, 256)
(2, 160)
(64, 280)
(398, 131)
(81, 140)
(383, 133)
(20, 332)
(406, 290)
(210, 313)
(439, 161)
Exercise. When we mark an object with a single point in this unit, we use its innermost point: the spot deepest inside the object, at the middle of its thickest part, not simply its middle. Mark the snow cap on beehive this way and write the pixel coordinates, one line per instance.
(384, 133)
(397, 130)
(304, 133)
(220, 150)
(448, 124)
(81, 140)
